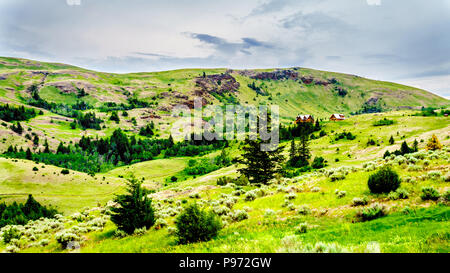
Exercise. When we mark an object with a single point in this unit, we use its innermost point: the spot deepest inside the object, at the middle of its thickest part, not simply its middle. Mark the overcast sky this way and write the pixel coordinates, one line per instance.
(406, 41)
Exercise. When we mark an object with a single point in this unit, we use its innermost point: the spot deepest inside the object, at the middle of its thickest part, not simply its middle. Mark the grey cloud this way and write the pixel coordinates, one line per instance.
(223, 46)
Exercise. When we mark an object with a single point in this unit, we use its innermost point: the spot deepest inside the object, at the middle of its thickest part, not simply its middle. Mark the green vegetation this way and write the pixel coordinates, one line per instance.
(195, 225)
(323, 190)
(20, 214)
(135, 208)
(383, 122)
(384, 180)
(11, 113)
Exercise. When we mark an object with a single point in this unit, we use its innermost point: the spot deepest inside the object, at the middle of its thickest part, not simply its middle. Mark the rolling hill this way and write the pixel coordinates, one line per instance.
(309, 211)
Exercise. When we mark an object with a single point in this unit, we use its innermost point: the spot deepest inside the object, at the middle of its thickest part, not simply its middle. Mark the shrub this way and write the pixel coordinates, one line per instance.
(434, 175)
(140, 231)
(194, 225)
(447, 196)
(35, 169)
(9, 234)
(337, 176)
(65, 237)
(373, 212)
(399, 194)
(239, 215)
(360, 201)
(269, 213)
(303, 210)
(222, 181)
(302, 228)
(429, 193)
(290, 196)
(134, 210)
(318, 163)
(65, 171)
(250, 196)
(340, 194)
(242, 181)
(160, 223)
(383, 181)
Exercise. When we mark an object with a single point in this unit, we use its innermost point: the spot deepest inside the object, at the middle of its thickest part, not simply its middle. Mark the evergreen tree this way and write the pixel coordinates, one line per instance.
(404, 149)
(46, 147)
(293, 152)
(171, 143)
(29, 155)
(135, 210)
(415, 147)
(36, 140)
(260, 166)
(304, 153)
(391, 140)
(115, 117)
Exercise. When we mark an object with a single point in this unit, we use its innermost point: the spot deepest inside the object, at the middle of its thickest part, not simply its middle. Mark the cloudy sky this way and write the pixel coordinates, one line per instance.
(406, 41)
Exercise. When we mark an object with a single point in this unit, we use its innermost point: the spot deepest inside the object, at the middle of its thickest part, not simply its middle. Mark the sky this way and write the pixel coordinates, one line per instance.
(405, 41)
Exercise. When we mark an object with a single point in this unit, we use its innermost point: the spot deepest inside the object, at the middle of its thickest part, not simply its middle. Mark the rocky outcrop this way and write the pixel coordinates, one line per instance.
(277, 75)
(217, 83)
(73, 86)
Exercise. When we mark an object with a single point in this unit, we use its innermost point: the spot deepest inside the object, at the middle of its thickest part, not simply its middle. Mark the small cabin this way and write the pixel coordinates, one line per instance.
(337, 117)
(304, 119)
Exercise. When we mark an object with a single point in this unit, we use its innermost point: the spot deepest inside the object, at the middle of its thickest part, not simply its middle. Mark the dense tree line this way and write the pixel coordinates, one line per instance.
(20, 214)
(10, 113)
(404, 149)
(296, 130)
(92, 155)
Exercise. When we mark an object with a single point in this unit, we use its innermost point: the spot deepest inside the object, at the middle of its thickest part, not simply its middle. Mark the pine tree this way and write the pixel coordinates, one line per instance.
(46, 147)
(293, 152)
(391, 140)
(171, 143)
(36, 140)
(434, 144)
(135, 208)
(260, 166)
(304, 153)
(415, 147)
(28, 154)
(404, 149)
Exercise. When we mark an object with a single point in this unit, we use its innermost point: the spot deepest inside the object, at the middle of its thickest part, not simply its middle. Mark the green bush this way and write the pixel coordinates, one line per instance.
(318, 163)
(384, 180)
(222, 181)
(360, 201)
(195, 225)
(399, 194)
(242, 181)
(447, 196)
(429, 193)
(10, 234)
(373, 212)
(65, 171)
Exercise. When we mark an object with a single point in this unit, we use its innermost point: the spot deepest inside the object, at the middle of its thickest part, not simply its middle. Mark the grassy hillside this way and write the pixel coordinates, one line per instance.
(62, 95)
